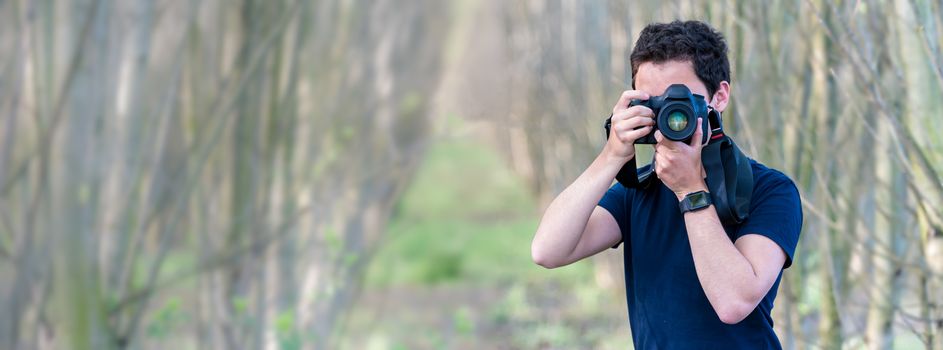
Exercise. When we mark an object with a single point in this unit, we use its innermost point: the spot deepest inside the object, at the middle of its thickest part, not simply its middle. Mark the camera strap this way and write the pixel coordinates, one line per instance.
(729, 179)
(631, 177)
(729, 174)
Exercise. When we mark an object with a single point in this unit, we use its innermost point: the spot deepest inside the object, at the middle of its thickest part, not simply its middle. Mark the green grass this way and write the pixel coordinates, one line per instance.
(465, 219)
(462, 180)
(465, 225)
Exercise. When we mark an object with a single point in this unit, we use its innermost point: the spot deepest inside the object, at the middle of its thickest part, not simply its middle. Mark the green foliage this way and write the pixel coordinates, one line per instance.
(441, 267)
(463, 322)
(165, 319)
(410, 103)
(288, 336)
(350, 259)
(547, 334)
(514, 306)
(332, 240)
(240, 304)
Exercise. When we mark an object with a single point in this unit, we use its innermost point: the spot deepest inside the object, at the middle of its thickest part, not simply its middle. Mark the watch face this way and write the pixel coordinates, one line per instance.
(699, 199)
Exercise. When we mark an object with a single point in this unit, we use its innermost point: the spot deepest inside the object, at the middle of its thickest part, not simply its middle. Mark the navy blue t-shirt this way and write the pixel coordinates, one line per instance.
(667, 305)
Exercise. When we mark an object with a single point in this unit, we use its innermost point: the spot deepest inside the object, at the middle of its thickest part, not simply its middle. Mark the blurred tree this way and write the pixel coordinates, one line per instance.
(257, 146)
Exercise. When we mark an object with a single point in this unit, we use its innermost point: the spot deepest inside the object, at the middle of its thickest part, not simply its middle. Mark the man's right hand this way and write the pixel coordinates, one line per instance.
(628, 124)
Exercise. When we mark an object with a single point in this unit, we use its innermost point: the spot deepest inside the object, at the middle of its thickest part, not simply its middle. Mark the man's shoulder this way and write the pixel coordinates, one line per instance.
(764, 176)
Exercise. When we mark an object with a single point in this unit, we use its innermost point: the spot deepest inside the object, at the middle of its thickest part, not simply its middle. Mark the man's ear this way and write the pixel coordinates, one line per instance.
(721, 97)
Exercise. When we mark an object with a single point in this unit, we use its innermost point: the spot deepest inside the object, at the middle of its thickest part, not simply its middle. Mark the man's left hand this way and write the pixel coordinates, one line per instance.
(678, 164)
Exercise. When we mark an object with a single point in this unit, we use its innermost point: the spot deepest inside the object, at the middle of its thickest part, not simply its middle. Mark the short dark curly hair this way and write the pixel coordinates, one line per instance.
(692, 41)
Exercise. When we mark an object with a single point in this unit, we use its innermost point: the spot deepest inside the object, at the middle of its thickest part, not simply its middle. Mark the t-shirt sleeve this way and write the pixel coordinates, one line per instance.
(776, 213)
(615, 202)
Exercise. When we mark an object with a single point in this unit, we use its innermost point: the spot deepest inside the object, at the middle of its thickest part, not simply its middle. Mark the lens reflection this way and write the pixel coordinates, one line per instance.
(677, 121)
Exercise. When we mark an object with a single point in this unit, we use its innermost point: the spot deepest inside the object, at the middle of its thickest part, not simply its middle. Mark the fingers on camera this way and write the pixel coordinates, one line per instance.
(641, 111)
(698, 134)
(631, 135)
(628, 96)
(633, 113)
(658, 136)
(633, 123)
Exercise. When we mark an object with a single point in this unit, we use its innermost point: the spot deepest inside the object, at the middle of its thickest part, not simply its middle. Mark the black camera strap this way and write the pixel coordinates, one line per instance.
(631, 177)
(729, 179)
(729, 174)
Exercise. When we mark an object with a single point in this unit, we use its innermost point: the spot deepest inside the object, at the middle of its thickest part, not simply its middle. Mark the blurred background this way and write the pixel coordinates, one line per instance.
(369, 174)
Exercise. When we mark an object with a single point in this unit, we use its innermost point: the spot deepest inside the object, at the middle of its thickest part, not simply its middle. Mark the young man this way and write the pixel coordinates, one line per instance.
(690, 283)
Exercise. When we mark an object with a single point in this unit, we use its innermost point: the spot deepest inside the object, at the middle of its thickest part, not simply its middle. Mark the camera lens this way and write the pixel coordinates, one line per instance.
(677, 121)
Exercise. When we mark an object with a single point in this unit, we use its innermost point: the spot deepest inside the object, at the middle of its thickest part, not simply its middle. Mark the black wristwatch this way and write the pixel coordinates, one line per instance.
(695, 201)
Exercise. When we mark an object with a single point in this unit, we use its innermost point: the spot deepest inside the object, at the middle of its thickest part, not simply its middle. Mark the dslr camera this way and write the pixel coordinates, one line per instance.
(676, 112)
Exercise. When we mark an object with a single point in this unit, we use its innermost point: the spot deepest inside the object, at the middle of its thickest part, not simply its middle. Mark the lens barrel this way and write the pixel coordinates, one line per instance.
(677, 121)
(676, 112)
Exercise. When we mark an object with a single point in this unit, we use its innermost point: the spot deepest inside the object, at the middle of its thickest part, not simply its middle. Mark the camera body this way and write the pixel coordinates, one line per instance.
(729, 171)
(676, 112)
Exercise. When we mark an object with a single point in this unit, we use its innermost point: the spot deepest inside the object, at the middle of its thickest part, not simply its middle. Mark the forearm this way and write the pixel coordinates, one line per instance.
(566, 217)
(727, 277)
